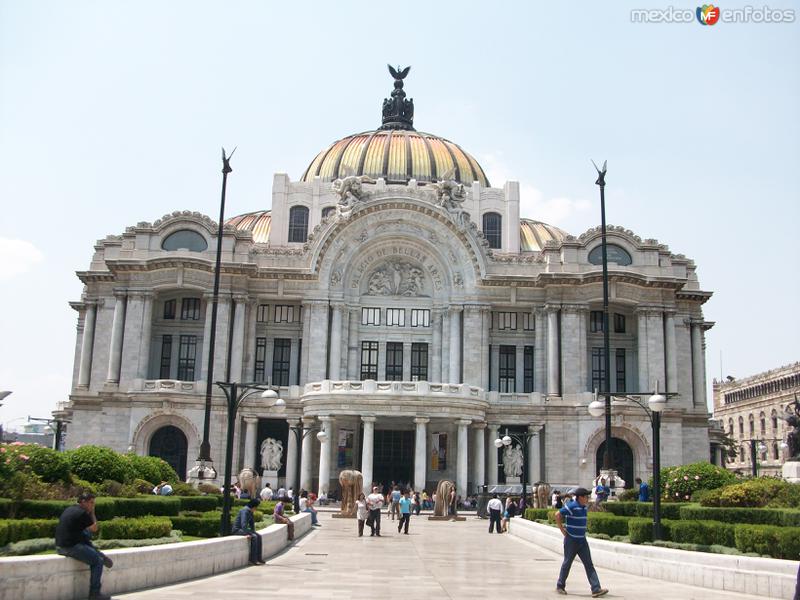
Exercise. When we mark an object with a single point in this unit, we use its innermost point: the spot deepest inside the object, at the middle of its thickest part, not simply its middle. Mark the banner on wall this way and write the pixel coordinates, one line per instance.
(345, 448)
(439, 452)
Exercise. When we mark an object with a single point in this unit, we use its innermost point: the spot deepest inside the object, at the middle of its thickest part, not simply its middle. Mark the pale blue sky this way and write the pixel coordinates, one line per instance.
(113, 113)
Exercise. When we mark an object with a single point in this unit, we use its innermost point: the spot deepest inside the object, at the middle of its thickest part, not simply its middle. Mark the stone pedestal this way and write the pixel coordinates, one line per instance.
(511, 480)
(202, 472)
(270, 477)
(791, 471)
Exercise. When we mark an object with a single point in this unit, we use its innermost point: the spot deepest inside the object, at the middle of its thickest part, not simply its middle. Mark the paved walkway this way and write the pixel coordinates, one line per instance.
(436, 560)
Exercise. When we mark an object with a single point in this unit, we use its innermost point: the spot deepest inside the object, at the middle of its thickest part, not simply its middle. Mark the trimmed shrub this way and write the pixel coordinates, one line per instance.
(754, 516)
(97, 463)
(147, 505)
(609, 525)
(669, 510)
(208, 488)
(142, 486)
(105, 509)
(702, 532)
(531, 514)
(116, 489)
(197, 526)
(5, 507)
(25, 529)
(42, 509)
(48, 464)
(32, 546)
(679, 483)
(641, 530)
(135, 529)
(203, 503)
(147, 468)
(184, 489)
(629, 495)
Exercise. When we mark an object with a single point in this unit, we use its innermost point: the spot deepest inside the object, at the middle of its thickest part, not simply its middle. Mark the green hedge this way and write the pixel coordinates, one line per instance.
(640, 530)
(531, 514)
(200, 503)
(701, 532)
(16, 530)
(608, 524)
(5, 507)
(196, 526)
(669, 510)
(161, 506)
(753, 516)
(778, 542)
(135, 529)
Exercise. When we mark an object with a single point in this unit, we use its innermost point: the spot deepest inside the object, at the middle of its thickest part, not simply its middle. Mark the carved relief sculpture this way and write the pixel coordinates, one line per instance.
(351, 483)
(512, 461)
(396, 278)
(271, 454)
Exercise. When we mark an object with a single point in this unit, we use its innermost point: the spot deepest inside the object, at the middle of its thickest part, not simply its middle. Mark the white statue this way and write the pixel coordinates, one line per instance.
(271, 453)
(512, 461)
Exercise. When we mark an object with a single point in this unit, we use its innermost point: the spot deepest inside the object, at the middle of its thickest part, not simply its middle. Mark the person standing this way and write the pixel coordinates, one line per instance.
(245, 524)
(417, 504)
(495, 507)
(394, 503)
(362, 513)
(405, 513)
(644, 490)
(74, 539)
(309, 508)
(266, 493)
(601, 492)
(575, 544)
(375, 503)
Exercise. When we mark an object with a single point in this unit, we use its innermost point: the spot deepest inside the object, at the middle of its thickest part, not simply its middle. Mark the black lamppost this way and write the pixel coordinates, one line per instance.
(757, 445)
(235, 393)
(522, 439)
(657, 402)
(58, 430)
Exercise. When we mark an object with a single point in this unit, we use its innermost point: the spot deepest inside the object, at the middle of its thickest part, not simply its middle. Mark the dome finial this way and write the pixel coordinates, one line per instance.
(398, 112)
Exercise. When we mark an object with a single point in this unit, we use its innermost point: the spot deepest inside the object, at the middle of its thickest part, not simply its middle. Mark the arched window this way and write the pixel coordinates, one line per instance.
(775, 455)
(752, 422)
(730, 427)
(763, 424)
(328, 210)
(298, 224)
(774, 420)
(614, 253)
(741, 453)
(493, 229)
(741, 426)
(185, 239)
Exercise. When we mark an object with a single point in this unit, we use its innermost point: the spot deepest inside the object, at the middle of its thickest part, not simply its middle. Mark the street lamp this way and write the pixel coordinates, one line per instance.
(522, 439)
(757, 444)
(57, 431)
(235, 394)
(656, 403)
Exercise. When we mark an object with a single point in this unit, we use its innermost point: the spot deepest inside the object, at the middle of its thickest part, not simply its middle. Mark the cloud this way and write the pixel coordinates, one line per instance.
(16, 257)
(532, 202)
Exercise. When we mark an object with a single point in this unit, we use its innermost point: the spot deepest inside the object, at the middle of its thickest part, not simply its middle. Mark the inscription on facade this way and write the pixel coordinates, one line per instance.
(391, 275)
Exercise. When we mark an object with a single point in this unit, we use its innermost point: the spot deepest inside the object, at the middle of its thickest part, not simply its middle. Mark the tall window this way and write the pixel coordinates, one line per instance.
(262, 313)
(620, 366)
(596, 321)
(528, 322)
(619, 323)
(298, 224)
(166, 356)
(396, 317)
(598, 369)
(493, 229)
(774, 421)
(741, 426)
(508, 369)
(369, 360)
(527, 369)
(505, 320)
(261, 358)
(169, 309)
(284, 313)
(394, 361)
(187, 353)
(730, 427)
(190, 309)
(763, 424)
(420, 317)
(775, 454)
(752, 425)
(281, 357)
(419, 362)
(370, 316)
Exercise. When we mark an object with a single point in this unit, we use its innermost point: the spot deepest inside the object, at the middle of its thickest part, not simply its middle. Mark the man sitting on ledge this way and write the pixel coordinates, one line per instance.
(280, 518)
(245, 524)
(74, 539)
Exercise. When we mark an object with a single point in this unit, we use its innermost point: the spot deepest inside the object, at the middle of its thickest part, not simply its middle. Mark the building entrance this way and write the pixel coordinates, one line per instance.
(393, 457)
(623, 459)
(170, 443)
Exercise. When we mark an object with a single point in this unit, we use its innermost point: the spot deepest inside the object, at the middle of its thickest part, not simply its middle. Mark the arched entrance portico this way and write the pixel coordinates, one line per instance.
(170, 444)
(622, 456)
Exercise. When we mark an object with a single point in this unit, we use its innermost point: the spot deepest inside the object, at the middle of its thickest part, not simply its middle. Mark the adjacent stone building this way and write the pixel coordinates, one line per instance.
(749, 410)
(400, 302)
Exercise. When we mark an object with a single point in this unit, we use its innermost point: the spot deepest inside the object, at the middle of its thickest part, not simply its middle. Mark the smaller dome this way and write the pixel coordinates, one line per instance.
(533, 235)
(259, 223)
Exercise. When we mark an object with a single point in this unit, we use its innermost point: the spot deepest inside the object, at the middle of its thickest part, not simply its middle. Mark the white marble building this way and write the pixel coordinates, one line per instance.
(414, 323)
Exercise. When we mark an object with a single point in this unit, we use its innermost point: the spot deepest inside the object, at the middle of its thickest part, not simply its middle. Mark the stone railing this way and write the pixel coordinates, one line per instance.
(406, 388)
(167, 386)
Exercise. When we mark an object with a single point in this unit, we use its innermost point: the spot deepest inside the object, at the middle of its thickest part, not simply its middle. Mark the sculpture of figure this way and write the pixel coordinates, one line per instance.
(792, 417)
(542, 496)
(249, 480)
(443, 492)
(379, 284)
(512, 461)
(450, 196)
(271, 453)
(351, 483)
(349, 191)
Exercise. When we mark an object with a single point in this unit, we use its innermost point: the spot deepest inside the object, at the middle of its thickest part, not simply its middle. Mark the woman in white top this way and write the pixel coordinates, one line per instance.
(361, 513)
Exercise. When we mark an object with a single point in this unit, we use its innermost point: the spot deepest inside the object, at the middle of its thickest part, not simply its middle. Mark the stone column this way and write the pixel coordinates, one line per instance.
(486, 324)
(519, 368)
(534, 458)
(87, 343)
(671, 350)
(479, 457)
(223, 340)
(540, 353)
(306, 457)
(237, 343)
(318, 347)
(206, 338)
(335, 364)
(491, 477)
(473, 338)
(307, 310)
(436, 349)
(420, 453)
(147, 336)
(445, 347)
(291, 455)
(698, 364)
(325, 456)
(366, 452)
(353, 345)
(463, 443)
(641, 350)
(553, 367)
(136, 338)
(252, 334)
(455, 344)
(250, 433)
(406, 361)
(650, 345)
(117, 328)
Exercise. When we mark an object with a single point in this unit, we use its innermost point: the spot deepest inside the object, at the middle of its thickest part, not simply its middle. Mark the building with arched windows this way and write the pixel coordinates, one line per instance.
(400, 302)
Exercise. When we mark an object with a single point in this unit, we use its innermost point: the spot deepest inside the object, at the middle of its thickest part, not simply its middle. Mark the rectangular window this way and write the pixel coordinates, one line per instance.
(620, 360)
(598, 369)
(281, 358)
(420, 317)
(528, 322)
(394, 361)
(261, 357)
(169, 309)
(370, 316)
(596, 321)
(187, 353)
(262, 314)
(166, 357)
(527, 372)
(508, 369)
(505, 320)
(396, 316)
(369, 360)
(190, 309)
(619, 323)
(419, 362)
(284, 313)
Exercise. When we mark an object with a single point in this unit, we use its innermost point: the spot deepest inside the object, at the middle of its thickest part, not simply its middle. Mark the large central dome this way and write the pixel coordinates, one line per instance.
(395, 151)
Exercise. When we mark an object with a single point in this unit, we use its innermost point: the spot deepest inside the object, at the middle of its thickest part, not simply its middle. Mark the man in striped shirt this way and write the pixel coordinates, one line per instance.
(574, 531)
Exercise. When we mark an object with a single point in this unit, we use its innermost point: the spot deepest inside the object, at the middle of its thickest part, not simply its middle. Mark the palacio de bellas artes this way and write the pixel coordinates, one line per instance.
(395, 299)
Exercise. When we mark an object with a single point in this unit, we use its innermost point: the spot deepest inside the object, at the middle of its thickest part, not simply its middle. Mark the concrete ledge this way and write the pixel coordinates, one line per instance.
(61, 578)
(765, 577)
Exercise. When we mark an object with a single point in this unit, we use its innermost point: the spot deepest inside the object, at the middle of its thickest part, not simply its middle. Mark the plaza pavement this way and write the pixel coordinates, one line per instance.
(436, 560)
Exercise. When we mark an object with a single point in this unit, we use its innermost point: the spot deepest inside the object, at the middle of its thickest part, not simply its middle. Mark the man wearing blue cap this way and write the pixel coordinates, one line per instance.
(571, 520)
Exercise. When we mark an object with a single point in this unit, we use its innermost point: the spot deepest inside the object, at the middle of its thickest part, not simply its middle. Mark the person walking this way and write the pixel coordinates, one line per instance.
(405, 513)
(74, 539)
(362, 513)
(575, 544)
(601, 492)
(245, 524)
(394, 502)
(417, 504)
(375, 503)
(495, 507)
(644, 490)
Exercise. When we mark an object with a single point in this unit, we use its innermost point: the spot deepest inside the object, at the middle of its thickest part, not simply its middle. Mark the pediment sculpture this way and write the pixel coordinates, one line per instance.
(350, 191)
(396, 278)
(271, 454)
(450, 195)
